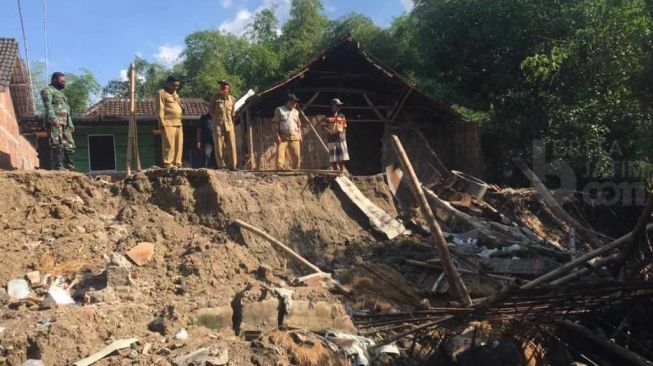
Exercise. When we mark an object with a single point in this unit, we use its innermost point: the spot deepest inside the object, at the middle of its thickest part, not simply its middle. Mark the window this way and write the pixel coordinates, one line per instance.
(101, 152)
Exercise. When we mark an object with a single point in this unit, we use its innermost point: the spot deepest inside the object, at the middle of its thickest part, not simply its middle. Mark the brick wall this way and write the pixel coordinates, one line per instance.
(15, 151)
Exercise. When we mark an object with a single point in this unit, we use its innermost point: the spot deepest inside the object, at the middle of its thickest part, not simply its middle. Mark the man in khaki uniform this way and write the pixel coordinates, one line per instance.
(289, 133)
(222, 112)
(169, 111)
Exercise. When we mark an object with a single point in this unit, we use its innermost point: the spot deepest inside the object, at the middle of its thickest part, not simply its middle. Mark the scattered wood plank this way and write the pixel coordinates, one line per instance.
(453, 276)
(114, 346)
(379, 219)
(586, 232)
(580, 261)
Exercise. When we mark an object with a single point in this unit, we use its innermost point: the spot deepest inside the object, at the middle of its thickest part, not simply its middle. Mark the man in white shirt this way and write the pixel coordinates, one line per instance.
(289, 133)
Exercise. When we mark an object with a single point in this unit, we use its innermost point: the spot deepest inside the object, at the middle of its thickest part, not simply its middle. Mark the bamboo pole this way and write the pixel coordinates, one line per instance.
(453, 277)
(400, 106)
(585, 232)
(308, 121)
(132, 114)
(561, 271)
(638, 231)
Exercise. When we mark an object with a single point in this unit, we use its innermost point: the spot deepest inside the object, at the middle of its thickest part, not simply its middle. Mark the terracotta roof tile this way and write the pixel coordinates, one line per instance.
(119, 107)
(8, 58)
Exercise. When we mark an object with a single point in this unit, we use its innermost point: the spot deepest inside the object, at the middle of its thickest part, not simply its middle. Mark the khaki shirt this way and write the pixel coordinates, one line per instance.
(168, 108)
(222, 112)
(287, 121)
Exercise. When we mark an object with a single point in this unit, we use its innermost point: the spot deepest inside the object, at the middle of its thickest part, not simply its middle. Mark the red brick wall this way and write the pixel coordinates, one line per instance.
(15, 151)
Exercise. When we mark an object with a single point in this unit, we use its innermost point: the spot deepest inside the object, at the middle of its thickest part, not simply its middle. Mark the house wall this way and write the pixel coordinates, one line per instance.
(265, 146)
(148, 143)
(16, 152)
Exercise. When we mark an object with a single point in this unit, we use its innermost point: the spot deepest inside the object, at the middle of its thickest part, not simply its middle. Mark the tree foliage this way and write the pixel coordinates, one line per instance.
(524, 70)
(81, 89)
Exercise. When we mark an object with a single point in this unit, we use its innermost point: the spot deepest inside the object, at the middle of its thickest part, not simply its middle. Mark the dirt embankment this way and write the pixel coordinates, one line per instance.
(68, 223)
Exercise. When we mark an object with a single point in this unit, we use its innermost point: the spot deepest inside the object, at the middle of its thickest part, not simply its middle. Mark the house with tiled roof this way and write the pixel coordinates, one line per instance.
(101, 134)
(16, 151)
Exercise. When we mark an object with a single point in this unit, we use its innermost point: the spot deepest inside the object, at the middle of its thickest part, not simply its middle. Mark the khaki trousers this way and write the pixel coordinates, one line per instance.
(172, 144)
(294, 149)
(225, 140)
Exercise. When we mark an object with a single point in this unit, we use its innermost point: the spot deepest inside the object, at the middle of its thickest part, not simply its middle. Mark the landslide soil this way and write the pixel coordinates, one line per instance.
(68, 223)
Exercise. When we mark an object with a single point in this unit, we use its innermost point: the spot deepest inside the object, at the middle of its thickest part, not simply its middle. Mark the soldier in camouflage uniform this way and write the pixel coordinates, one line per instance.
(59, 123)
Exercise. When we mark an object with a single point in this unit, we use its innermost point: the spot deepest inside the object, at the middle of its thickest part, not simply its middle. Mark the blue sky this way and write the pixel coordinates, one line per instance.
(104, 36)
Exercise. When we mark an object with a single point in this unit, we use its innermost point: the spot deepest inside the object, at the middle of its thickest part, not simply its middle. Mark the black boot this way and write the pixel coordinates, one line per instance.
(56, 161)
(69, 159)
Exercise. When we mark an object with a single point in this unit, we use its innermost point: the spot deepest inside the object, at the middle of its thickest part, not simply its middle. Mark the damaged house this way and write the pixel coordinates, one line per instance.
(378, 103)
(16, 152)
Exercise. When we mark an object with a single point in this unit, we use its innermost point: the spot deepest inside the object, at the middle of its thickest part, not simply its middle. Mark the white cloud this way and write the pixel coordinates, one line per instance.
(226, 3)
(407, 4)
(123, 75)
(238, 25)
(168, 54)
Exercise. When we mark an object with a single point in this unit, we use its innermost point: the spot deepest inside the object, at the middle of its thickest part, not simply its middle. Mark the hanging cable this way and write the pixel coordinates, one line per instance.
(29, 70)
(45, 37)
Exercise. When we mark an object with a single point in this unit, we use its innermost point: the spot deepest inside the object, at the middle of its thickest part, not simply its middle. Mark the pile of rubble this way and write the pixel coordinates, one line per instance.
(197, 267)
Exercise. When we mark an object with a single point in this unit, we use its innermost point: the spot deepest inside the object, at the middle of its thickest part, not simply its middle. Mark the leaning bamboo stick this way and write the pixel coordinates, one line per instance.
(587, 233)
(561, 271)
(453, 277)
(290, 252)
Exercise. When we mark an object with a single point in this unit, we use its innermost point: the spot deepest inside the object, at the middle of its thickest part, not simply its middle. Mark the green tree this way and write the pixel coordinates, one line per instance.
(302, 33)
(263, 30)
(80, 90)
(149, 79)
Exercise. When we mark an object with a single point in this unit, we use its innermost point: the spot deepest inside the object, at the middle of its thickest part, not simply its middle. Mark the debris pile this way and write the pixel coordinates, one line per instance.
(198, 267)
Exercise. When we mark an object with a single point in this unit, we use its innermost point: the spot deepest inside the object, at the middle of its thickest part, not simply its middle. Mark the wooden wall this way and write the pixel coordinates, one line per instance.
(148, 143)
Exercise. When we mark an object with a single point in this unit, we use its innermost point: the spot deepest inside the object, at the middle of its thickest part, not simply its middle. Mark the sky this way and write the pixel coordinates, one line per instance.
(104, 36)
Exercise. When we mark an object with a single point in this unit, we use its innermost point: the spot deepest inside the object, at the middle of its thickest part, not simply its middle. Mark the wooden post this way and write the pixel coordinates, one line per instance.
(132, 113)
(453, 277)
(561, 271)
(250, 139)
(585, 232)
(400, 106)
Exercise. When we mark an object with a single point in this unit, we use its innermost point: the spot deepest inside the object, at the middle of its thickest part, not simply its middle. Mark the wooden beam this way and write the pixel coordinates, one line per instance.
(353, 107)
(453, 277)
(369, 102)
(250, 139)
(400, 106)
(441, 168)
(580, 261)
(587, 233)
(308, 121)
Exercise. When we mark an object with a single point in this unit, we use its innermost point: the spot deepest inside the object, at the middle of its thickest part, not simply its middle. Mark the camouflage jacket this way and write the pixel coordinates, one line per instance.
(56, 106)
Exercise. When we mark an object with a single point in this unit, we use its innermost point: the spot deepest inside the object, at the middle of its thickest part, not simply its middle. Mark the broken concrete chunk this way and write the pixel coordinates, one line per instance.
(118, 276)
(216, 318)
(317, 316)
(119, 260)
(204, 357)
(33, 277)
(141, 253)
(18, 289)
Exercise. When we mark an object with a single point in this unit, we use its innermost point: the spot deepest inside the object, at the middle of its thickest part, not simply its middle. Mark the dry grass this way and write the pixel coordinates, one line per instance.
(308, 351)
(47, 265)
